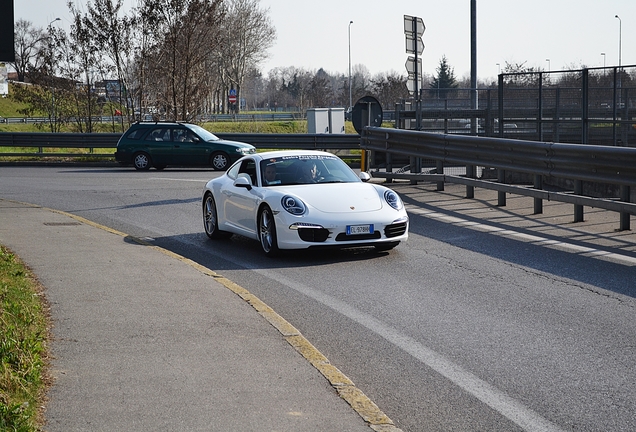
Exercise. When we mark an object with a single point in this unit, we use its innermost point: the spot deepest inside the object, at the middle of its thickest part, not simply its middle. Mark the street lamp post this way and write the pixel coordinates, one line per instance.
(51, 72)
(620, 37)
(350, 22)
(548, 60)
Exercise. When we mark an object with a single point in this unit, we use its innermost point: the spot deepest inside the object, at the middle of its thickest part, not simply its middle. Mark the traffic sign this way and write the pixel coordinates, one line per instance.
(366, 112)
(414, 45)
(413, 25)
(411, 67)
(231, 98)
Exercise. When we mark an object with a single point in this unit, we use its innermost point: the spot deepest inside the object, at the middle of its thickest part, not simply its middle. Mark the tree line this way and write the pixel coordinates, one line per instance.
(172, 58)
(178, 60)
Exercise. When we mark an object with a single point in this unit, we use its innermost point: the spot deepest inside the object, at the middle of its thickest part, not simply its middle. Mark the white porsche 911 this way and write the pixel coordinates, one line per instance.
(300, 199)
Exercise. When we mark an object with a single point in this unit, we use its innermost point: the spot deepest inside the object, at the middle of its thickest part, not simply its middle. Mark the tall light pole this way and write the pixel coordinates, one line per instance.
(350, 22)
(51, 72)
(548, 60)
(620, 38)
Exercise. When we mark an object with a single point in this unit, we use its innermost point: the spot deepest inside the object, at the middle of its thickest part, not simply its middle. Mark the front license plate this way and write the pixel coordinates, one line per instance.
(359, 229)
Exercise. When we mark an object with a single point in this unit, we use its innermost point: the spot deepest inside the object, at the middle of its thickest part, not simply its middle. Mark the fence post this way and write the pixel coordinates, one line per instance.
(585, 112)
(540, 108)
(557, 116)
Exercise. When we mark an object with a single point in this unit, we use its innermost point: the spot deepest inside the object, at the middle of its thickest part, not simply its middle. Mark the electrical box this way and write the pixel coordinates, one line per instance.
(336, 120)
(318, 120)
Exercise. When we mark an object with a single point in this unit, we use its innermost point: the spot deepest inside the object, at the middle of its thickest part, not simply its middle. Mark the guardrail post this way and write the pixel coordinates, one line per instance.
(439, 169)
(389, 166)
(501, 195)
(416, 167)
(625, 217)
(470, 173)
(538, 202)
(578, 209)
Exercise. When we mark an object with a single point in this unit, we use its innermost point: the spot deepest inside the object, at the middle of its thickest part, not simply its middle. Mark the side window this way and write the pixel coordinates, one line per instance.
(179, 135)
(248, 167)
(191, 137)
(233, 171)
(136, 134)
(159, 134)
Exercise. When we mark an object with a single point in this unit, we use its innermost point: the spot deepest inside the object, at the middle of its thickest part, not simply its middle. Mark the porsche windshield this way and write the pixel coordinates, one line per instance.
(305, 169)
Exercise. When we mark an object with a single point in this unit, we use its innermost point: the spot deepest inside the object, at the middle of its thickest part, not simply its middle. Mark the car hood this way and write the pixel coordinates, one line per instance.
(339, 197)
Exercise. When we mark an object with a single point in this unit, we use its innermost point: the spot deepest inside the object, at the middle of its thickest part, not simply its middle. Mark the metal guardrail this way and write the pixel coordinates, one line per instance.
(575, 162)
(91, 141)
(265, 116)
(598, 164)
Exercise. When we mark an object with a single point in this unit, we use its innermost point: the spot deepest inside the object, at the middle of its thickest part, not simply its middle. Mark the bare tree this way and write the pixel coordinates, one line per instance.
(113, 35)
(247, 35)
(183, 33)
(29, 42)
(389, 88)
(360, 81)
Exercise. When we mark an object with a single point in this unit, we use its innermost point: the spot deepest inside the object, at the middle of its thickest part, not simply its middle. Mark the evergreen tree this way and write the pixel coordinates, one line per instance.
(444, 80)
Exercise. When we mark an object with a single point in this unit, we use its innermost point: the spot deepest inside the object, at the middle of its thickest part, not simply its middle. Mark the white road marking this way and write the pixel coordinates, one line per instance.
(176, 179)
(486, 393)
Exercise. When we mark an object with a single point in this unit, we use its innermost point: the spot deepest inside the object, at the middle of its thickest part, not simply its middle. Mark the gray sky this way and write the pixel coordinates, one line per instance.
(314, 34)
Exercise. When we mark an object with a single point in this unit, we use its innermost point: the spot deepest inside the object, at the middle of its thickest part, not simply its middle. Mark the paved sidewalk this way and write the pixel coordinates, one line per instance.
(147, 341)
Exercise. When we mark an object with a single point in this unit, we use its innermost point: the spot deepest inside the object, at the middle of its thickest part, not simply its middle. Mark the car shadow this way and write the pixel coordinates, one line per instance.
(238, 253)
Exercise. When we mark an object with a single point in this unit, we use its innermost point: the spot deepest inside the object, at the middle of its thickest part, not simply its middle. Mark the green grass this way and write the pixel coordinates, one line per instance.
(10, 108)
(23, 346)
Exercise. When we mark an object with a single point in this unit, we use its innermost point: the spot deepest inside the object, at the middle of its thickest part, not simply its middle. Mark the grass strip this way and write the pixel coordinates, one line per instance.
(24, 324)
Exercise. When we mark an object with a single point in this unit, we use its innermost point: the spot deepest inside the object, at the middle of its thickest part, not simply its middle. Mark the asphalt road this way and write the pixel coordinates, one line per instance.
(465, 327)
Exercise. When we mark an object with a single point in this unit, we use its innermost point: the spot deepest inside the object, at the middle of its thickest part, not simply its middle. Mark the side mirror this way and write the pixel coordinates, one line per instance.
(244, 181)
(364, 176)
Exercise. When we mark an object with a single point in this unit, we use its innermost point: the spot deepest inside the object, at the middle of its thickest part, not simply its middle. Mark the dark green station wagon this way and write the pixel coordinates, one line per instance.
(159, 144)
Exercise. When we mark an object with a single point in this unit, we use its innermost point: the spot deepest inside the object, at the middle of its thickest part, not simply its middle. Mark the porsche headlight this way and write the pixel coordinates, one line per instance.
(293, 205)
(393, 199)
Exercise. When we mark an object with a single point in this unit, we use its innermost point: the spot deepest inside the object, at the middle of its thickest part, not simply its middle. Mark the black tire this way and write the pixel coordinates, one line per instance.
(160, 167)
(210, 219)
(219, 161)
(382, 247)
(141, 161)
(267, 232)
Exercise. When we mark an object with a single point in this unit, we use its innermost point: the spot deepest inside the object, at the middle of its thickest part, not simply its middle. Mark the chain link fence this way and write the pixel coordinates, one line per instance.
(586, 106)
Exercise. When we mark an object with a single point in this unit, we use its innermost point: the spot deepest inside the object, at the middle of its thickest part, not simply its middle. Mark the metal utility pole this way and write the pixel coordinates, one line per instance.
(350, 103)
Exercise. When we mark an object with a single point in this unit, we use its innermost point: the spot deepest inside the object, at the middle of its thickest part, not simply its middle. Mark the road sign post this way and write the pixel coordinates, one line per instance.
(231, 99)
(413, 30)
